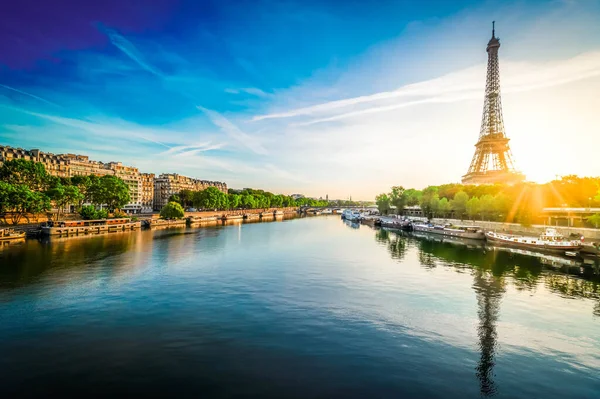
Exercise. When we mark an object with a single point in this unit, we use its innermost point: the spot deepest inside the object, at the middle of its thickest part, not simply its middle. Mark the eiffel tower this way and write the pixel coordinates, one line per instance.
(492, 162)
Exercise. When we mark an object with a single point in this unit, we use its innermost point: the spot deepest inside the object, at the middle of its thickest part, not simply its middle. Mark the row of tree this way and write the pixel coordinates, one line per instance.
(511, 203)
(213, 198)
(27, 188)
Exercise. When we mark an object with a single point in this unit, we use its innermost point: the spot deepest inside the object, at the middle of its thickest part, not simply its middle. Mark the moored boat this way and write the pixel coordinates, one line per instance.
(11, 234)
(396, 223)
(69, 227)
(550, 240)
(351, 215)
(470, 232)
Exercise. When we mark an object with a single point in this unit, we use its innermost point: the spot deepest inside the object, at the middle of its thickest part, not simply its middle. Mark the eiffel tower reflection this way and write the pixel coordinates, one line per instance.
(489, 290)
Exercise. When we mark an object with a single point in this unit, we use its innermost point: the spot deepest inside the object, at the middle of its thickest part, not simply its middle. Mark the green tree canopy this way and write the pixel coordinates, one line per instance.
(172, 210)
(383, 203)
(459, 204)
(26, 173)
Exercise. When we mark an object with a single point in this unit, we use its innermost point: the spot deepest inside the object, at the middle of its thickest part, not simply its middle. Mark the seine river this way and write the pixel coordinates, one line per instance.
(306, 308)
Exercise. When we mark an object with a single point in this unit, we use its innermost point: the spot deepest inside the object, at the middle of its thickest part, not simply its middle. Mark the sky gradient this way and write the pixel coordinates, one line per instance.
(338, 98)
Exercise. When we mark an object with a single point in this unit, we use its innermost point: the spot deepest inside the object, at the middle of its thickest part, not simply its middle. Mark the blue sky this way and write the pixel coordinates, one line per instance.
(339, 98)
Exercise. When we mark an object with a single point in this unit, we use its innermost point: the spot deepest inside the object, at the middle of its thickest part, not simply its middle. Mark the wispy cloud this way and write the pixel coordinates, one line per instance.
(193, 149)
(457, 86)
(248, 90)
(216, 118)
(232, 130)
(29, 95)
(129, 50)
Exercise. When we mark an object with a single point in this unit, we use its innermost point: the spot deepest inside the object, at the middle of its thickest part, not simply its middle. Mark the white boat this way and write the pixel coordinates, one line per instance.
(550, 240)
(353, 216)
(470, 232)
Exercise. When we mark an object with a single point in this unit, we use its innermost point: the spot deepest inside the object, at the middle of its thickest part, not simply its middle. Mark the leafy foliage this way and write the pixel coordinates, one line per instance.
(90, 212)
(172, 210)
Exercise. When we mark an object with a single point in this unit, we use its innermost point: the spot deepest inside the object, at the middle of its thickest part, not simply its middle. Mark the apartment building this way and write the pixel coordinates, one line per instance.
(168, 184)
(147, 199)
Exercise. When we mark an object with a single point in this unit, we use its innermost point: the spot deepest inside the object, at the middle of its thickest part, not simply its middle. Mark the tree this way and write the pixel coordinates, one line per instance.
(234, 200)
(63, 196)
(172, 210)
(501, 206)
(30, 174)
(426, 202)
(413, 197)
(398, 199)
(90, 212)
(486, 206)
(111, 191)
(186, 198)
(595, 220)
(444, 207)
(473, 207)
(175, 198)
(383, 203)
(210, 198)
(277, 201)
(459, 204)
(434, 205)
(21, 200)
(248, 201)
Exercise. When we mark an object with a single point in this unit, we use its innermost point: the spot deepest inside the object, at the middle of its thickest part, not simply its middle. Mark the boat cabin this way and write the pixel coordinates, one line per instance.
(86, 223)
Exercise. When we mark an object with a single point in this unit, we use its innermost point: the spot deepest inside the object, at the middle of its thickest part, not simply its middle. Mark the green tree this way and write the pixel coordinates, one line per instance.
(426, 202)
(89, 212)
(21, 200)
(413, 197)
(210, 198)
(473, 207)
(398, 198)
(234, 200)
(187, 198)
(110, 191)
(21, 172)
(277, 201)
(459, 204)
(175, 198)
(172, 210)
(444, 207)
(248, 201)
(486, 206)
(434, 205)
(383, 203)
(63, 196)
(595, 220)
(501, 207)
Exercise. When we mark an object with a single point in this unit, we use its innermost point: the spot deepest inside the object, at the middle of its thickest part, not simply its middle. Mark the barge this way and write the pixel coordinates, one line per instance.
(71, 227)
(549, 241)
(470, 232)
(11, 234)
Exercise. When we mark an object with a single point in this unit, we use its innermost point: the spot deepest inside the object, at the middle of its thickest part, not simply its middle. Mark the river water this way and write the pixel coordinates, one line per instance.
(307, 308)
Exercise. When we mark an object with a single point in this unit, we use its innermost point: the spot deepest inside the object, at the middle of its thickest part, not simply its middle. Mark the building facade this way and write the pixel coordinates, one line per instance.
(147, 199)
(56, 165)
(168, 184)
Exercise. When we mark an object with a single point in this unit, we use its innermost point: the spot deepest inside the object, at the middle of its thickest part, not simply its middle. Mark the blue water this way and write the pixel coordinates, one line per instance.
(307, 308)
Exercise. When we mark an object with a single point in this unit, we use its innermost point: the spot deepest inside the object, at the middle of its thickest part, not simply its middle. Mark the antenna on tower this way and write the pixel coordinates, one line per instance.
(493, 28)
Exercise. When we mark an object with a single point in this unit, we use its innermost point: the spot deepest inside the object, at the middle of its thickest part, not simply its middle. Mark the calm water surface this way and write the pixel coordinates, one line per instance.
(303, 308)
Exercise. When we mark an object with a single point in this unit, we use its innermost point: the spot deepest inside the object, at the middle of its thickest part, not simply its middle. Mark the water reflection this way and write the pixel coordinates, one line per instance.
(491, 266)
(489, 290)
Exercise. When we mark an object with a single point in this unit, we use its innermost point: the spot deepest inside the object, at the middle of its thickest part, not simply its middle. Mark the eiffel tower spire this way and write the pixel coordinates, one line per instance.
(492, 162)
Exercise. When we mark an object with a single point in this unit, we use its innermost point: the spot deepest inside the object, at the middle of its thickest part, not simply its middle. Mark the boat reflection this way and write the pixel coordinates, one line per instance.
(354, 225)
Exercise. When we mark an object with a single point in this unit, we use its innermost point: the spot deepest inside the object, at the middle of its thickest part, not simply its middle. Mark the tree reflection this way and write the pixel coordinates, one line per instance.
(396, 243)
